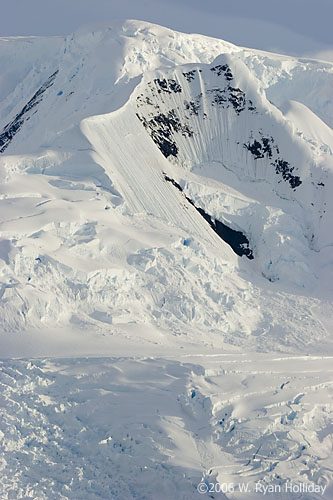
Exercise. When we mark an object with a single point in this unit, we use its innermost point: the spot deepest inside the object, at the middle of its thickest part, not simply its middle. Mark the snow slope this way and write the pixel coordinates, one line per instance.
(120, 149)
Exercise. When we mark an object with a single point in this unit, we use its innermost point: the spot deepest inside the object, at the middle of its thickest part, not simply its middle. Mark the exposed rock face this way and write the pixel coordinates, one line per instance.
(266, 148)
(173, 107)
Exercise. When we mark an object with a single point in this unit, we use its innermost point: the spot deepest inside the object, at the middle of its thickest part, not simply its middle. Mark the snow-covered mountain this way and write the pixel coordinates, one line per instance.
(163, 192)
(93, 234)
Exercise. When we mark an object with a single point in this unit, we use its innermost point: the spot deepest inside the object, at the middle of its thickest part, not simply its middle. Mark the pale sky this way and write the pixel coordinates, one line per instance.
(300, 27)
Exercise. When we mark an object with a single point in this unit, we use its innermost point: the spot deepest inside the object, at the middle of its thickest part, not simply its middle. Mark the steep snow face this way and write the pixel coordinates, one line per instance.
(205, 114)
(215, 120)
(12, 128)
(309, 127)
(92, 232)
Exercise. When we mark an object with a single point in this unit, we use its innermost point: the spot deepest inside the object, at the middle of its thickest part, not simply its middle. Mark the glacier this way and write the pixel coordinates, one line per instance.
(122, 151)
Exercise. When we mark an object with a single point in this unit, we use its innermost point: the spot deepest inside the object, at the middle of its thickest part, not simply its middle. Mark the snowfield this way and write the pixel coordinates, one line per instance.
(156, 428)
(142, 352)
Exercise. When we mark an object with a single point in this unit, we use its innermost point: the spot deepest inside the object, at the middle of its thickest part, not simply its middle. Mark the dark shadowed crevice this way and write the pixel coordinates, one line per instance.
(235, 239)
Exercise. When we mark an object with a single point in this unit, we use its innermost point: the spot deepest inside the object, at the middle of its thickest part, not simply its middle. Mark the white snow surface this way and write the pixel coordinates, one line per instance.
(158, 357)
(153, 428)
